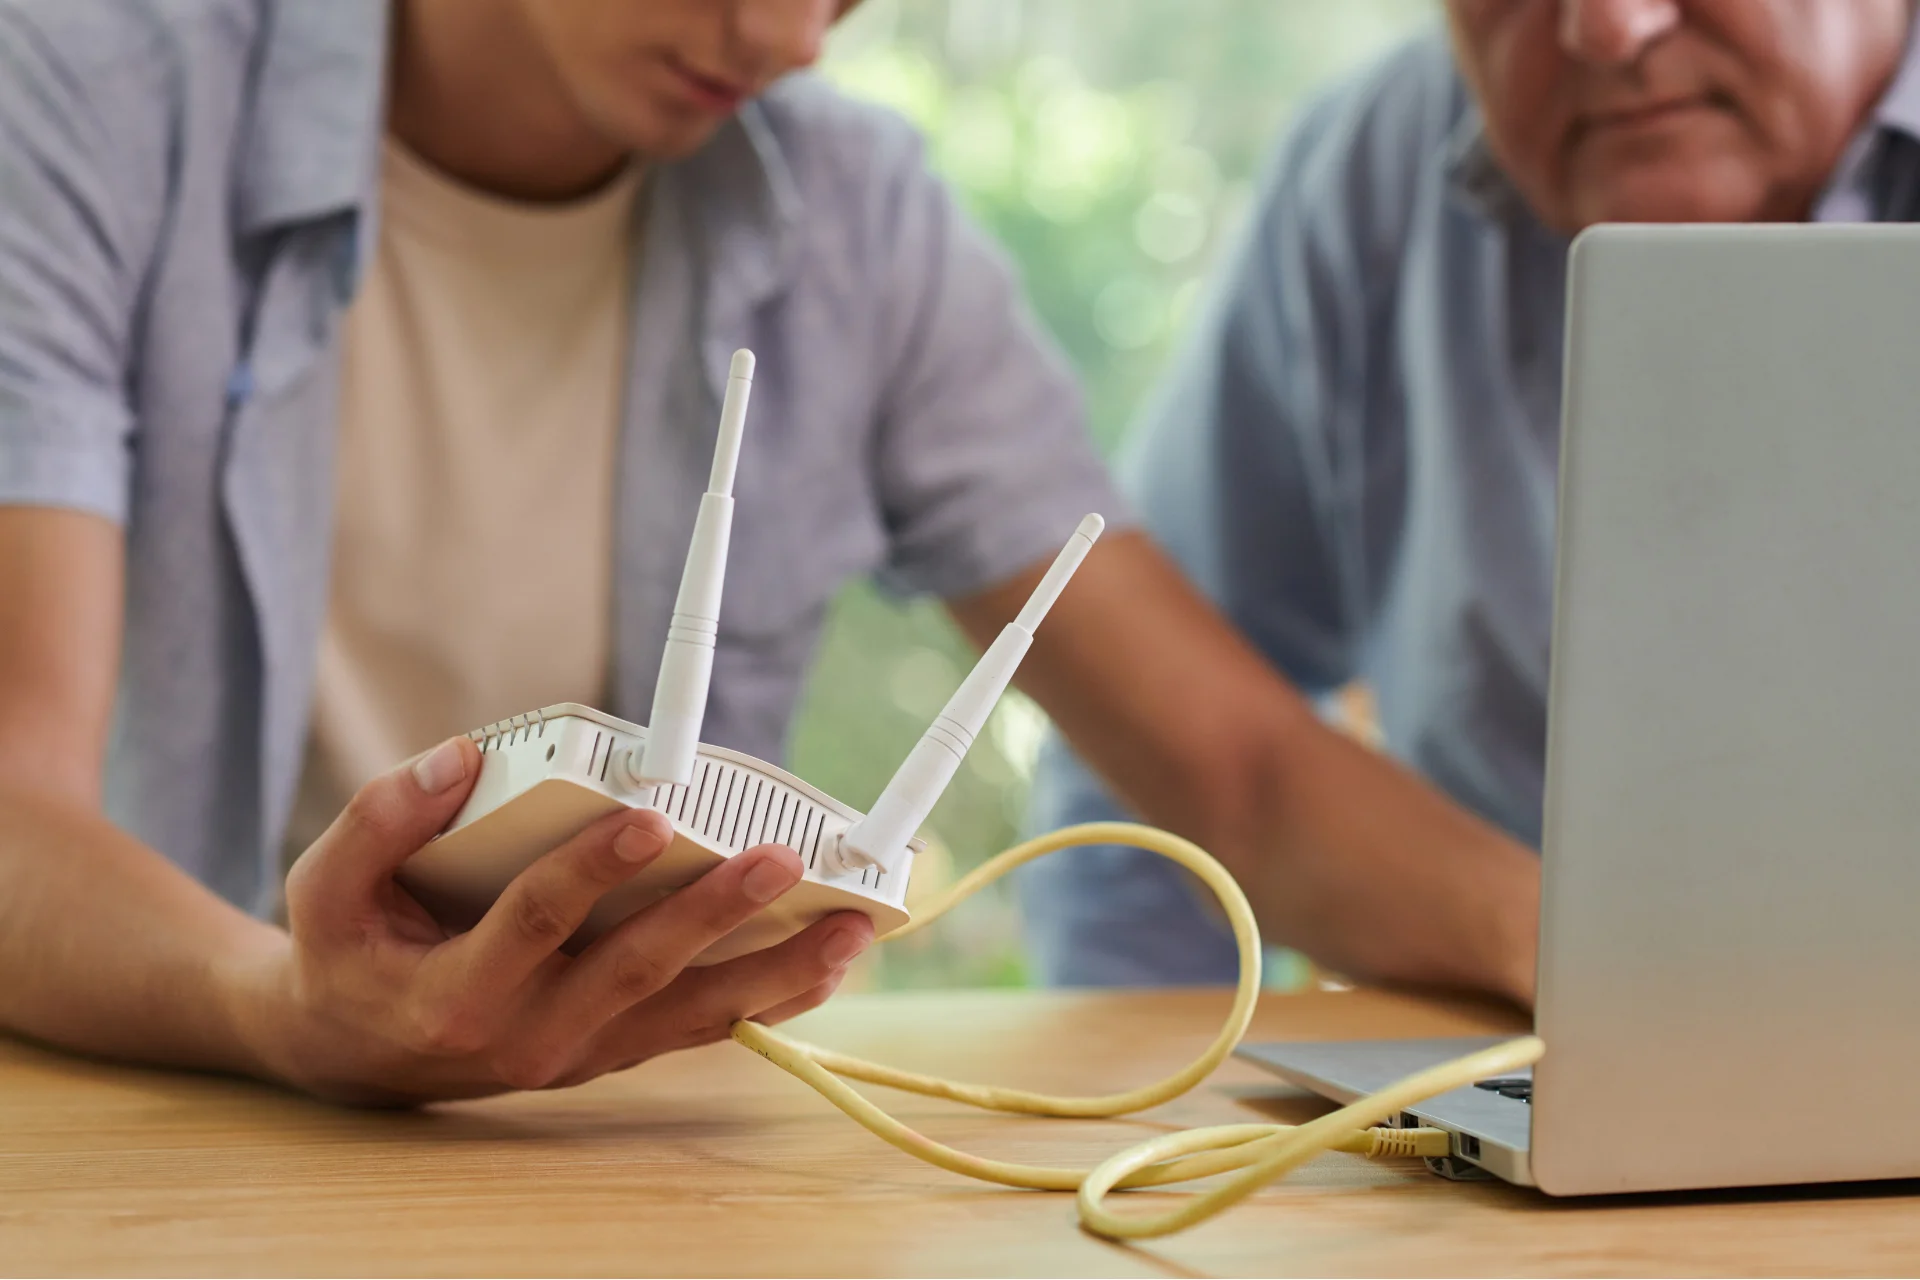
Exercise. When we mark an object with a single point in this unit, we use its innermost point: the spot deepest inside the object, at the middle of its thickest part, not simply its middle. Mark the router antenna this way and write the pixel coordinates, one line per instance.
(881, 837)
(686, 667)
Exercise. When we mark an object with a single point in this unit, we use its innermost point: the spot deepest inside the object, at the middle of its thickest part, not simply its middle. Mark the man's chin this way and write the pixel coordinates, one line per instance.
(1671, 193)
(663, 137)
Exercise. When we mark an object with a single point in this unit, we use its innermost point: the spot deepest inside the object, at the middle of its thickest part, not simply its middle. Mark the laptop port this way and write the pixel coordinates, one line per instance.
(1469, 1146)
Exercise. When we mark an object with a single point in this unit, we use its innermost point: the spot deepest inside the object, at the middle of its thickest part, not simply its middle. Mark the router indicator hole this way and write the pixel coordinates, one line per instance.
(550, 750)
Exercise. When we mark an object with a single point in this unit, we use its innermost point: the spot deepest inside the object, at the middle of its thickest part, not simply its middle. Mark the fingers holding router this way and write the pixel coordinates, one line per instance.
(369, 1006)
(781, 982)
(385, 823)
(702, 1004)
(649, 949)
(546, 903)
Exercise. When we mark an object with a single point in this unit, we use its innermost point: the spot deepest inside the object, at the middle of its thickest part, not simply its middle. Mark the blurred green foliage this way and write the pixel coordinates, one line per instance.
(1110, 146)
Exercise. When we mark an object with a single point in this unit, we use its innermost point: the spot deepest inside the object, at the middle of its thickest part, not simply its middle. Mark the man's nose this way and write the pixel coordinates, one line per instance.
(778, 36)
(1614, 32)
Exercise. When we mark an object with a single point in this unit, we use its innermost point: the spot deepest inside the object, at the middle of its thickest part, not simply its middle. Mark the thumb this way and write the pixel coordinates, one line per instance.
(387, 821)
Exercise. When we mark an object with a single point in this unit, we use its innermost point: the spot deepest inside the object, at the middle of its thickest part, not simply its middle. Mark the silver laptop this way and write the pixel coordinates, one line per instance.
(1730, 925)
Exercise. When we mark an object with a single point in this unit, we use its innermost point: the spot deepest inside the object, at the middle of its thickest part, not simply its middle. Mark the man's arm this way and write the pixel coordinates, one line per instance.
(1343, 854)
(107, 947)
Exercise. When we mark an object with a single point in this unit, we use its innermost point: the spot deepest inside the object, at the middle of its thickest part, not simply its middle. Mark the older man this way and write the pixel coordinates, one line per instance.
(1356, 455)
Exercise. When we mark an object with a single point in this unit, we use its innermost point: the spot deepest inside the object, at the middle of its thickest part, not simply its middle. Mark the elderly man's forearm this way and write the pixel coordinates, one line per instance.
(1369, 870)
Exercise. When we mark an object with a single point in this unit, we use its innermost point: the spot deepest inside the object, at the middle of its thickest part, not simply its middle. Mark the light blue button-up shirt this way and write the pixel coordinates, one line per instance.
(1356, 458)
(186, 191)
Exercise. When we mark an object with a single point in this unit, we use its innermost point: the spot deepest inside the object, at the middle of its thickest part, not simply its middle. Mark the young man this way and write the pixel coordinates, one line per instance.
(1357, 454)
(255, 545)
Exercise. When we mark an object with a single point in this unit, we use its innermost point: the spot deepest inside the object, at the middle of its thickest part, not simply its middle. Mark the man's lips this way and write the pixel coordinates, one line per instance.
(710, 93)
(1651, 115)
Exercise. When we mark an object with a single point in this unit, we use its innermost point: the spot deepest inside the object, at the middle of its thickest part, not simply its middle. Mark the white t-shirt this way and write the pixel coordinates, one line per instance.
(481, 394)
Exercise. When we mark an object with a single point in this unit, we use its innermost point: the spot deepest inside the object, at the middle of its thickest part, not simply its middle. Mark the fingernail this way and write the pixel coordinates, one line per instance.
(440, 768)
(841, 947)
(768, 880)
(635, 845)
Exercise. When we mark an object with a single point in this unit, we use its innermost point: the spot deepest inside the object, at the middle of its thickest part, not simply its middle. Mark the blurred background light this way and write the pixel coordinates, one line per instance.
(1111, 147)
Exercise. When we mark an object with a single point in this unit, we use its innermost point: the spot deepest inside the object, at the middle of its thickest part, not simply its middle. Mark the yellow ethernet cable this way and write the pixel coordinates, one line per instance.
(1256, 1153)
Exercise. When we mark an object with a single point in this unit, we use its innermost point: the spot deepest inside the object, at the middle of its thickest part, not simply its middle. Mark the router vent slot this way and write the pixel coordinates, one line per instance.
(504, 733)
(801, 846)
(735, 809)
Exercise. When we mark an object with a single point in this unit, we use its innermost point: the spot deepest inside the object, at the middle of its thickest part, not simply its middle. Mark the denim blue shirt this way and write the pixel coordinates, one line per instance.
(186, 191)
(1356, 458)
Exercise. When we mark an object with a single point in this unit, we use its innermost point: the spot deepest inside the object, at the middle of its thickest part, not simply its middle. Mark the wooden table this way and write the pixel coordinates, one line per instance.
(713, 1162)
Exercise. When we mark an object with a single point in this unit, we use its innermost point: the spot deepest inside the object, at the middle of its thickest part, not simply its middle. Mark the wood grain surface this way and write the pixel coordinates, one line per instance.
(715, 1163)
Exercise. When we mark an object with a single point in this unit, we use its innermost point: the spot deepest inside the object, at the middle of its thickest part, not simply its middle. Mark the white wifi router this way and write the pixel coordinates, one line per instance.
(548, 774)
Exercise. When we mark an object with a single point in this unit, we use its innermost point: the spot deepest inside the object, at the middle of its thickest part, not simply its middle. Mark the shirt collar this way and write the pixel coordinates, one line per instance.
(1899, 108)
(747, 201)
(311, 145)
(1476, 179)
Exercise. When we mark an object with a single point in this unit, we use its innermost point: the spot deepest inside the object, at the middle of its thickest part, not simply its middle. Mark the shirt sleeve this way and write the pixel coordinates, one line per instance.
(69, 273)
(984, 463)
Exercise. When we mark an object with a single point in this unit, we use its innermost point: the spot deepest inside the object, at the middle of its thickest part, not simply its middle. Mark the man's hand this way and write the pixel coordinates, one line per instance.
(369, 1000)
